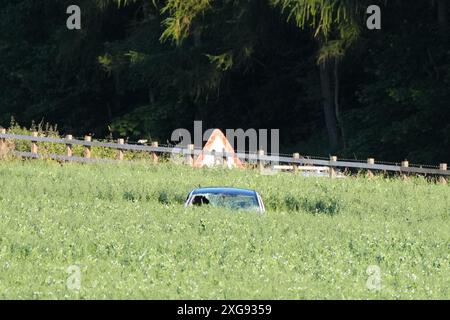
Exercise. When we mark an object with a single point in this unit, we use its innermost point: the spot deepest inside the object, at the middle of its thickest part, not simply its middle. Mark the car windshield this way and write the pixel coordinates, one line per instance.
(232, 201)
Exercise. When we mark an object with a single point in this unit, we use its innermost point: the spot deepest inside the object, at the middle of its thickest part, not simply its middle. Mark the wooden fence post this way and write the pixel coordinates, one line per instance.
(332, 168)
(260, 161)
(87, 149)
(443, 167)
(34, 146)
(214, 156)
(154, 154)
(405, 164)
(223, 158)
(296, 156)
(2, 140)
(189, 155)
(120, 152)
(370, 162)
(69, 149)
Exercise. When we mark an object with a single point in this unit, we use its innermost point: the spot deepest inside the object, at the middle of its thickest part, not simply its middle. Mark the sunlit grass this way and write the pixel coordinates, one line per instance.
(126, 228)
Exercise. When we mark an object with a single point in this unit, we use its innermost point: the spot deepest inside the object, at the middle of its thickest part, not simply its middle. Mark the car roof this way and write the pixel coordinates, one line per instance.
(226, 190)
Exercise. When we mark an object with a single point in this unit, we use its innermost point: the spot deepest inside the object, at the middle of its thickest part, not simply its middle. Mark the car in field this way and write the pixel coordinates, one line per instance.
(232, 198)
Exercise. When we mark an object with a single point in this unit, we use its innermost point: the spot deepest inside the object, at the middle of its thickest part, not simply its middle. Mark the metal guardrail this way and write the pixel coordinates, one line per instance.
(30, 155)
(189, 150)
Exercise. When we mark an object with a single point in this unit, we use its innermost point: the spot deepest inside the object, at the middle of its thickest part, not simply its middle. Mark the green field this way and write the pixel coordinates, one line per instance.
(126, 228)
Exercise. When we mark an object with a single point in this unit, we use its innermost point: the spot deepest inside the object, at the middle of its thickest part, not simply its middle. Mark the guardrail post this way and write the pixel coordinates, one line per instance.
(405, 164)
(370, 162)
(189, 155)
(154, 154)
(332, 168)
(443, 167)
(34, 146)
(69, 149)
(260, 161)
(296, 156)
(87, 149)
(120, 152)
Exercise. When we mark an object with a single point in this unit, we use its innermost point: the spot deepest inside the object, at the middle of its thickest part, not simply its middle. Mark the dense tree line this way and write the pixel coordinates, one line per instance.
(311, 68)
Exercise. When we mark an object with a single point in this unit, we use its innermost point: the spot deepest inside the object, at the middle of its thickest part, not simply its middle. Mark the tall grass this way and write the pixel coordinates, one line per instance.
(125, 227)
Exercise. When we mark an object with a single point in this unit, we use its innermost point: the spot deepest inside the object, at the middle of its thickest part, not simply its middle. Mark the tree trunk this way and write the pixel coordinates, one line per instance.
(337, 108)
(328, 105)
(443, 17)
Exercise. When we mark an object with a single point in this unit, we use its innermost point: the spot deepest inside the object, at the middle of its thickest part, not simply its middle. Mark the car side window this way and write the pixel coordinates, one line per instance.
(200, 200)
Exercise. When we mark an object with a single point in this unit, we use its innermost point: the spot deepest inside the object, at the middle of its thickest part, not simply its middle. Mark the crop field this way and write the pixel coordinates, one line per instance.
(106, 231)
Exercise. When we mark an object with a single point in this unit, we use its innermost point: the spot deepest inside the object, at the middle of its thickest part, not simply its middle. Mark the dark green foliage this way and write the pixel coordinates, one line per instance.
(131, 72)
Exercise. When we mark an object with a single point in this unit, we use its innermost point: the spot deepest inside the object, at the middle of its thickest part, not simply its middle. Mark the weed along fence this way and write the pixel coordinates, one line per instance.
(188, 154)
